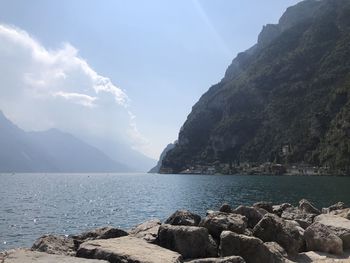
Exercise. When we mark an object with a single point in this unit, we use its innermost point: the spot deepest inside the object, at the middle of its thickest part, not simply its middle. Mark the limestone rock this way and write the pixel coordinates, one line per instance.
(321, 257)
(231, 259)
(319, 237)
(189, 241)
(278, 209)
(147, 230)
(183, 218)
(264, 205)
(252, 214)
(285, 233)
(26, 256)
(216, 222)
(307, 207)
(342, 213)
(337, 206)
(127, 250)
(339, 225)
(53, 244)
(304, 219)
(226, 208)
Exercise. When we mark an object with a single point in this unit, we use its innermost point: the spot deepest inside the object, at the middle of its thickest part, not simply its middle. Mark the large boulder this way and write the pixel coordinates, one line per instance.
(52, 244)
(98, 233)
(278, 209)
(321, 257)
(26, 256)
(216, 222)
(307, 207)
(252, 214)
(304, 219)
(319, 237)
(231, 259)
(226, 208)
(189, 241)
(147, 230)
(340, 227)
(264, 205)
(183, 218)
(127, 250)
(279, 253)
(336, 206)
(342, 213)
(286, 233)
(251, 249)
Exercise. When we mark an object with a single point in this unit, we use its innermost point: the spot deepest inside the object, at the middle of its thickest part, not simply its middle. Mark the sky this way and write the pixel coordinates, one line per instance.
(129, 71)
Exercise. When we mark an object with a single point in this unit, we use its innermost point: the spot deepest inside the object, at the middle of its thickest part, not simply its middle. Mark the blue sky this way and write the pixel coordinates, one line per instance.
(162, 54)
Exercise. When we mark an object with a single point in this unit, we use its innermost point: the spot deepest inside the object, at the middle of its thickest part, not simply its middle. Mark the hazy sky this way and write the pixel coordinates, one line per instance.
(124, 70)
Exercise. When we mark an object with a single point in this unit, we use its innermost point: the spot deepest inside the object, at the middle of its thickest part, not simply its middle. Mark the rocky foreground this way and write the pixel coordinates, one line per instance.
(252, 234)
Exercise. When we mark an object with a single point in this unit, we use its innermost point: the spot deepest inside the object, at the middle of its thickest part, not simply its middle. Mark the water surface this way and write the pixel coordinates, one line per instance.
(35, 204)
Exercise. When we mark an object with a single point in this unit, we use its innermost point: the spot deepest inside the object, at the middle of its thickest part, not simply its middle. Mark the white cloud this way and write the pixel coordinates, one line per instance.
(42, 88)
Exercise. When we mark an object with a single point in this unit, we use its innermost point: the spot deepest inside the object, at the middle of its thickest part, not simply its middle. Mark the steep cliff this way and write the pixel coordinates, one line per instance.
(289, 90)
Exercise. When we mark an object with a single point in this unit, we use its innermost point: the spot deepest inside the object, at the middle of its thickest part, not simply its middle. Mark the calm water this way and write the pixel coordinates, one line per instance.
(35, 204)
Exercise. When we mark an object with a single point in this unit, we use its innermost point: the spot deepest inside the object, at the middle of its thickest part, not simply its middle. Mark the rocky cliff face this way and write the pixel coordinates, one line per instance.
(290, 89)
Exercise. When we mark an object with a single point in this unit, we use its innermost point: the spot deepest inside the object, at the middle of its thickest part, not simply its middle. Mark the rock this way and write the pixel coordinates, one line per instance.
(251, 249)
(127, 250)
(320, 257)
(264, 205)
(342, 213)
(251, 213)
(339, 226)
(337, 206)
(98, 233)
(285, 233)
(232, 259)
(183, 218)
(278, 209)
(147, 230)
(189, 241)
(217, 222)
(308, 207)
(319, 237)
(304, 219)
(280, 255)
(226, 208)
(59, 245)
(26, 256)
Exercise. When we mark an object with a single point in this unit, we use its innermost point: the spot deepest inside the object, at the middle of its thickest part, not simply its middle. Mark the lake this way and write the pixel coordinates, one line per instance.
(32, 205)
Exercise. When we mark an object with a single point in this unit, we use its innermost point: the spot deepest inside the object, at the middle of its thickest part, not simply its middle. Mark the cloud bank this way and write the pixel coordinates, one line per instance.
(42, 89)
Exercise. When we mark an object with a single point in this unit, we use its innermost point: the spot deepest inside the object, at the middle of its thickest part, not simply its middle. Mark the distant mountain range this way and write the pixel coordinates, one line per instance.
(159, 164)
(285, 100)
(56, 151)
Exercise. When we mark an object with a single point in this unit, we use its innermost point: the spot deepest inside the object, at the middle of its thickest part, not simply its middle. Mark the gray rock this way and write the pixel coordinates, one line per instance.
(232, 259)
(226, 208)
(342, 213)
(285, 233)
(319, 237)
(304, 219)
(307, 207)
(337, 206)
(216, 222)
(278, 209)
(98, 233)
(339, 226)
(183, 218)
(147, 230)
(279, 254)
(26, 256)
(189, 241)
(251, 249)
(321, 257)
(252, 214)
(59, 245)
(127, 250)
(264, 205)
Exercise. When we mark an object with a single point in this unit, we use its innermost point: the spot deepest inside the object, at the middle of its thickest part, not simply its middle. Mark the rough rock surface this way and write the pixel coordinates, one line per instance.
(189, 241)
(264, 205)
(336, 206)
(52, 244)
(320, 257)
(252, 214)
(147, 230)
(98, 233)
(232, 259)
(226, 208)
(279, 253)
(216, 222)
(183, 218)
(278, 209)
(251, 249)
(342, 213)
(127, 250)
(304, 219)
(285, 233)
(307, 207)
(26, 256)
(319, 237)
(339, 225)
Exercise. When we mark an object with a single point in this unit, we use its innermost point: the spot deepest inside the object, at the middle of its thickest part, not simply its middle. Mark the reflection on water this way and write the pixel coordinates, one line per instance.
(35, 204)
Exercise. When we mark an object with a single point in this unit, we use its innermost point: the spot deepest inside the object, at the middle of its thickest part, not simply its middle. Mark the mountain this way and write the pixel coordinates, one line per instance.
(49, 151)
(156, 169)
(290, 91)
